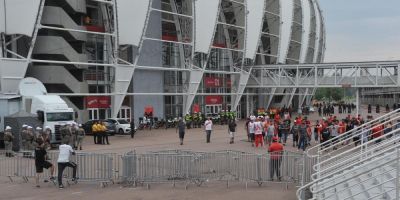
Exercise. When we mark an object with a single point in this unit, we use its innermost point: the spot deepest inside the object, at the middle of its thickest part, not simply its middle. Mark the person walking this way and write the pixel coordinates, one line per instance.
(64, 161)
(251, 130)
(41, 161)
(79, 137)
(208, 127)
(258, 133)
(302, 136)
(275, 150)
(181, 130)
(232, 129)
(270, 132)
(8, 141)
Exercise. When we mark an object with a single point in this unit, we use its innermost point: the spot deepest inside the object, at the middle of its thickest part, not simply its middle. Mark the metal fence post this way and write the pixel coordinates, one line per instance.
(397, 173)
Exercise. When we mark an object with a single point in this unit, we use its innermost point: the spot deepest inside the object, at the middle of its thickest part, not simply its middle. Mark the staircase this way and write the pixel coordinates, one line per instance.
(58, 75)
(367, 171)
(53, 45)
(56, 16)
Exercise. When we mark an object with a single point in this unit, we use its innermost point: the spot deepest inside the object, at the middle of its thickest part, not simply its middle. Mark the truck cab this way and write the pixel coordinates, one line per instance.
(53, 112)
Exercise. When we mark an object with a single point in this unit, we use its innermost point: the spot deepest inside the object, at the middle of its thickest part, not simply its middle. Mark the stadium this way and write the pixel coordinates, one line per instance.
(177, 56)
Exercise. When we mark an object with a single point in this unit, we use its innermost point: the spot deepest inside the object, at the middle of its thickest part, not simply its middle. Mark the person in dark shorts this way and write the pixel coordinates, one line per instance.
(41, 162)
(181, 129)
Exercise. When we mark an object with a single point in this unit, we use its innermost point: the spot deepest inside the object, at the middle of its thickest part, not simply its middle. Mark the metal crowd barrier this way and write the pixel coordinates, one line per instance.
(173, 166)
(92, 167)
(169, 166)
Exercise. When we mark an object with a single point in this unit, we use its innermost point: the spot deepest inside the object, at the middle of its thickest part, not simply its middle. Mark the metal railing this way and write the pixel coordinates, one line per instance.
(199, 167)
(357, 154)
(349, 161)
(372, 173)
(364, 146)
(333, 145)
(170, 166)
(92, 167)
(340, 156)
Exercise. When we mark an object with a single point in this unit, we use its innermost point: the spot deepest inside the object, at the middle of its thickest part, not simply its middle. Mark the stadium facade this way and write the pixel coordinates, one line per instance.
(106, 56)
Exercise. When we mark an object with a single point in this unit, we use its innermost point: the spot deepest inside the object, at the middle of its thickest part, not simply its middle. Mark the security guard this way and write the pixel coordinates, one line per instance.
(94, 132)
(195, 120)
(188, 121)
(46, 138)
(30, 139)
(74, 132)
(79, 138)
(8, 141)
(24, 142)
(200, 119)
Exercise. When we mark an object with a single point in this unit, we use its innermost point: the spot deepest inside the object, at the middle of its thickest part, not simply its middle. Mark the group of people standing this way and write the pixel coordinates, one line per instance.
(262, 129)
(100, 135)
(72, 134)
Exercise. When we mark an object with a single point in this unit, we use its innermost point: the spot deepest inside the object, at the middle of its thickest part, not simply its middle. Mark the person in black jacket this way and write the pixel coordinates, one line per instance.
(181, 129)
(232, 129)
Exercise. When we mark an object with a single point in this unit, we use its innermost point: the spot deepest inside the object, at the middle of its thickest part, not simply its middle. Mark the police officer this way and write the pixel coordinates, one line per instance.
(64, 134)
(30, 139)
(80, 134)
(74, 132)
(8, 141)
(46, 135)
(188, 120)
(23, 137)
(38, 133)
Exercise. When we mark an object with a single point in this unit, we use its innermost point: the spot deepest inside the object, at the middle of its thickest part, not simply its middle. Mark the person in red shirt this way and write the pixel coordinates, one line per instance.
(275, 150)
(377, 132)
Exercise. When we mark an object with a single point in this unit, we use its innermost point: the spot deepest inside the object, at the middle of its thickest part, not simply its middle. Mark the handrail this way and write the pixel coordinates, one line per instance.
(300, 191)
(359, 156)
(365, 172)
(360, 183)
(308, 152)
(393, 133)
(345, 163)
(351, 136)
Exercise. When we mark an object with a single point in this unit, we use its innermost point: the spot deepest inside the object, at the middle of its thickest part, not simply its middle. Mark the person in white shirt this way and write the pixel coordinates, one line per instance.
(208, 126)
(64, 161)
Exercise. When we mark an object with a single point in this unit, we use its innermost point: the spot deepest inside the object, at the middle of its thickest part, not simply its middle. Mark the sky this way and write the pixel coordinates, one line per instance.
(362, 30)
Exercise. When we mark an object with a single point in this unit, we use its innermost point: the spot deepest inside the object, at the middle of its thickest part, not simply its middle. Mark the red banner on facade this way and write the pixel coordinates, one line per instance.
(196, 108)
(98, 102)
(210, 100)
(212, 82)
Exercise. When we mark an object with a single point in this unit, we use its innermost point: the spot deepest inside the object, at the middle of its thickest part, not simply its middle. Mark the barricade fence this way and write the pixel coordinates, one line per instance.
(170, 166)
(198, 167)
(91, 167)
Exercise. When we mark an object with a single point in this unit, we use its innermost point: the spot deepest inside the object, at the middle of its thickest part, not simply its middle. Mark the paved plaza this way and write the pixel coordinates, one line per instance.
(155, 140)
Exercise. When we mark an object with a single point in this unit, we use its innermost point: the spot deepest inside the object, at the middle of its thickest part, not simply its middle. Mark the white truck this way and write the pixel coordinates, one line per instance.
(51, 110)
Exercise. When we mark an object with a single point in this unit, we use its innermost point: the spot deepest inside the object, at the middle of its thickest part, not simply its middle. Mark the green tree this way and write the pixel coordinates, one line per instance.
(335, 94)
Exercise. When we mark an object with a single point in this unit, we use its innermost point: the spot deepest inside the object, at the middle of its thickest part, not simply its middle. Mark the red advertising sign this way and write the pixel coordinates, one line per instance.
(98, 102)
(210, 100)
(211, 82)
(196, 108)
